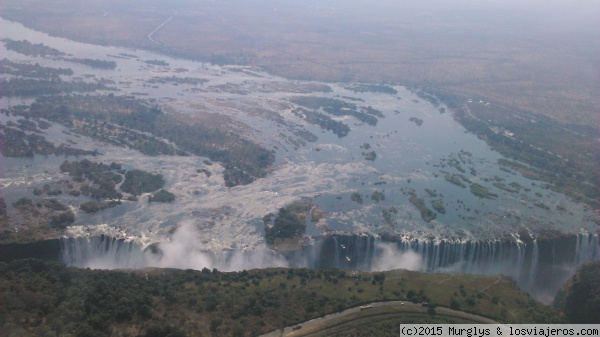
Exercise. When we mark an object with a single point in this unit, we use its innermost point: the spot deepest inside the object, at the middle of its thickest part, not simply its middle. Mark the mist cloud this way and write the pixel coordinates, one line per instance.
(184, 250)
(390, 258)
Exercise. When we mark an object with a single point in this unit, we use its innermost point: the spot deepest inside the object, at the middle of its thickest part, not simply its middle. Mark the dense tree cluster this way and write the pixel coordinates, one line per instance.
(580, 298)
(162, 196)
(31, 70)
(356, 197)
(417, 121)
(387, 214)
(101, 177)
(55, 214)
(17, 143)
(426, 214)
(122, 136)
(323, 121)
(24, 125)
(481, 191)
(23, 201)
(378, 196)
(27, 48)
(62, 220)
(2, 206)
(13, 143)
(427, 96)
(48, 299)
(438, 205)
(456, 179)
(138, 182)
(287, 224)
(371, 155)
(371, 111)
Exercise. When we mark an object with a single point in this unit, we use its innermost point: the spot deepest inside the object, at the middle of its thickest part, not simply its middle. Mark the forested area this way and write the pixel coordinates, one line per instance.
(24, 139)
(580, 297)
(96, 116)
(48, 299)
(31, 70)
(138, 182)
(287, 225)
(31, 49)
(162, 196)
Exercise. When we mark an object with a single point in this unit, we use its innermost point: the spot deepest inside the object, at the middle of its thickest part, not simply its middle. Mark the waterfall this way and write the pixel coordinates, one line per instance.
(102, 252)
(538, 265)
(587, 249)
(336, 255)
(520, 259)
(534, 262)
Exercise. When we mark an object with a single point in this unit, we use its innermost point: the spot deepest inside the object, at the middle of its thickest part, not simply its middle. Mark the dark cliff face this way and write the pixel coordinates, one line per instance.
(539, 266)
(351, 251)
(45, 250)
(579, 298)
(359, 252)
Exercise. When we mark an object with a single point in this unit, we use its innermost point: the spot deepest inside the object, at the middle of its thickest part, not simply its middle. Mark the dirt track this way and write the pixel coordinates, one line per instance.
(319, 325)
